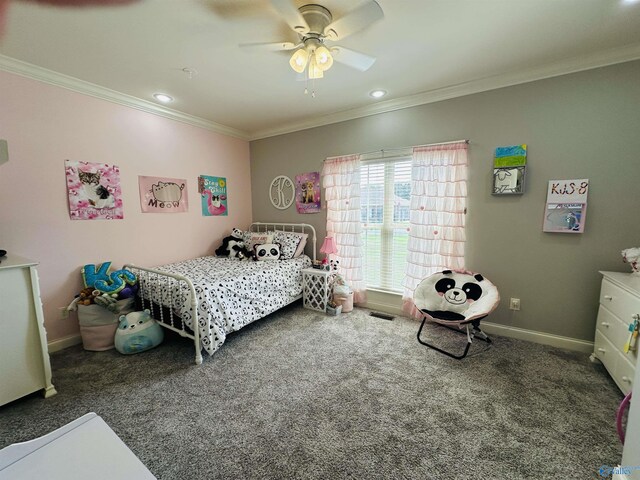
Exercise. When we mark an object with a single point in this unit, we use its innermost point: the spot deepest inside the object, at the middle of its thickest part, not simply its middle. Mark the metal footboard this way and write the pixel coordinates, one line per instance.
(157, 292)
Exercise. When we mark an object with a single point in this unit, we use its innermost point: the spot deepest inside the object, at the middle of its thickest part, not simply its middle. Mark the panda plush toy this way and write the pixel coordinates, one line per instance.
(456, 298)
(241, 252)
(266, 252)
(229, 243)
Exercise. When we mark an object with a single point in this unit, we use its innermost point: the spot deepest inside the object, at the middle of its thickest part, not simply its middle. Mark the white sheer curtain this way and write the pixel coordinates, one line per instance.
(341, 181)
(437, 215)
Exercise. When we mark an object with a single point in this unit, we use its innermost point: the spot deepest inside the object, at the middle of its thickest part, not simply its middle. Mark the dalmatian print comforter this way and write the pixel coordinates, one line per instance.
(231, 293)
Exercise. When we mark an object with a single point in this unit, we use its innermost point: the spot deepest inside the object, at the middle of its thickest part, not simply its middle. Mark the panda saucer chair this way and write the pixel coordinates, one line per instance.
(456, 300)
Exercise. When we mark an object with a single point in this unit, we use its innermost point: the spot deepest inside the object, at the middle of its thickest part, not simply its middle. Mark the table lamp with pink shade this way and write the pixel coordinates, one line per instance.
(328, 247)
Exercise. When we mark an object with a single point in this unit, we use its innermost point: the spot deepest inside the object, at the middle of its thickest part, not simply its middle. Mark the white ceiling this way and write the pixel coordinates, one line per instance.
(425, 49)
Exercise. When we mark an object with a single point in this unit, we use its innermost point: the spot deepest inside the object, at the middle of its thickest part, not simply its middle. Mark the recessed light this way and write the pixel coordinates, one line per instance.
(162, 97)
(378, 93)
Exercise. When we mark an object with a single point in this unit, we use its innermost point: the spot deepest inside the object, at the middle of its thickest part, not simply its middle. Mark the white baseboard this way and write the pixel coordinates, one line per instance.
(382, 307)
(391, 303)
(65, 342)
(539, 337)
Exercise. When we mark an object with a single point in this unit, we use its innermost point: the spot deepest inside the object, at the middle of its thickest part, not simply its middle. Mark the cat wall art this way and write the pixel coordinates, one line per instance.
(94, 191)
(163, 195)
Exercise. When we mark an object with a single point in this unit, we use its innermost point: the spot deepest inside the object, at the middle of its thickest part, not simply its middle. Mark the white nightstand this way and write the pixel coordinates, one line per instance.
(316, 288)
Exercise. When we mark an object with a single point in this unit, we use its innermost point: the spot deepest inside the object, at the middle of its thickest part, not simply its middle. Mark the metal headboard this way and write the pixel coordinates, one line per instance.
(288, 227)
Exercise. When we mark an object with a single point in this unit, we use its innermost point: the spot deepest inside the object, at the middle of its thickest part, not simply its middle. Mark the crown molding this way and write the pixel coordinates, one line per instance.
(45, 75)
(599, 59)
(577, 64)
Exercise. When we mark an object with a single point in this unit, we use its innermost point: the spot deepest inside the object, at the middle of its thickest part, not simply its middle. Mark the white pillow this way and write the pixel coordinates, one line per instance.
(301, 244)
(266, 252)
(256, 238)
(289, 242)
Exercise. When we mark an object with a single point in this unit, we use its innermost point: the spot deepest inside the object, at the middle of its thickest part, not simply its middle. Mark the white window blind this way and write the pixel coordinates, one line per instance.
(385, 199)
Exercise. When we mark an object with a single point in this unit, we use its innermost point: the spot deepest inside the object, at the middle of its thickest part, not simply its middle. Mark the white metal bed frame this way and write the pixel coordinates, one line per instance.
(148, 279)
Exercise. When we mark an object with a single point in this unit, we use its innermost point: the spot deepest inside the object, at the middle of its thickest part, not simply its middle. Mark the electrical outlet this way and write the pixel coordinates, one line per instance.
(514, 304)
(64, 313)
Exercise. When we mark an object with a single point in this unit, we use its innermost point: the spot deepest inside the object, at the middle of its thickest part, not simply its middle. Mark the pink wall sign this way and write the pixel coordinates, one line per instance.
(163, 195)
(94, 191)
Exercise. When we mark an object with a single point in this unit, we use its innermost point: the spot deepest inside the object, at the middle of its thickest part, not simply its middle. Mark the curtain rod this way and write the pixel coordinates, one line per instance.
(388, 150)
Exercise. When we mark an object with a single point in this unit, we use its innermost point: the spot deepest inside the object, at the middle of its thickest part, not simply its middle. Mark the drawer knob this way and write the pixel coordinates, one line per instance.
(601, 350)
(626, 379)
(608, 297)
(605, 324)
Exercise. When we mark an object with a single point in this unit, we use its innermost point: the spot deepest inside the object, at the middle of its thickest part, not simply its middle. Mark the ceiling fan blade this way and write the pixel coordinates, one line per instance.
(290, 13)
(353, 59)
(271, 47)
(354, 21)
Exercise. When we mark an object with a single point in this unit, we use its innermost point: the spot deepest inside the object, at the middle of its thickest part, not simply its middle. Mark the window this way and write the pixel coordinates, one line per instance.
(385, 197)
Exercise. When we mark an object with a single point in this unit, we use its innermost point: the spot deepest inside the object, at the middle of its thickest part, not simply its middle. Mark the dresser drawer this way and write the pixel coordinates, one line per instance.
(616, 331)
(620, 303)
(624, 374)
(606, 352)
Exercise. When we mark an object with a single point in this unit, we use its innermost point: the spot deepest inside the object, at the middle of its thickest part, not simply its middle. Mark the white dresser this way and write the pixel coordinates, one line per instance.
(24, 358)
(619, 304)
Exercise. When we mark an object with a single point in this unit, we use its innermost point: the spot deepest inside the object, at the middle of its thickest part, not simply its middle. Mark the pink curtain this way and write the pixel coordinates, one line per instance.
(341, 181)
(437, 215)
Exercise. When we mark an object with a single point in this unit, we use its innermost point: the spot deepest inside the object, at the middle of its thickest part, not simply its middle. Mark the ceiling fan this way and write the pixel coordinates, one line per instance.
(315, 25)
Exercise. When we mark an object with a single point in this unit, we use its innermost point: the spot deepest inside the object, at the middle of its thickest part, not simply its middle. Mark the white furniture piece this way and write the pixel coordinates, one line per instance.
(84, 448)
(631, 452)
(619, 306)
(316, 288)
(24, 357)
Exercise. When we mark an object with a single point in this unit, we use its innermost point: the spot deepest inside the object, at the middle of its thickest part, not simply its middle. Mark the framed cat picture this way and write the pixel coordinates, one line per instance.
(94, 191)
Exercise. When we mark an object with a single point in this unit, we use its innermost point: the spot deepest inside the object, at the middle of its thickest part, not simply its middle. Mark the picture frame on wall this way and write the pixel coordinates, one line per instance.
(508, 181)
(509, 170)
(566, 207)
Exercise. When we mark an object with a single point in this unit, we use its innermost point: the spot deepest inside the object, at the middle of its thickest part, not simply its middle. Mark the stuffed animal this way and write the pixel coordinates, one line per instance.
(226, 249)
(137, 332)
(110, 302)
(266, 251)
(241, 252)
(632, 257)
(87, 296)
(456, 296)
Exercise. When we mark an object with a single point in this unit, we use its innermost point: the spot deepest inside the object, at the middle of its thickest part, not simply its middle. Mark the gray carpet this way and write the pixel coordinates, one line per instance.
(303, 395)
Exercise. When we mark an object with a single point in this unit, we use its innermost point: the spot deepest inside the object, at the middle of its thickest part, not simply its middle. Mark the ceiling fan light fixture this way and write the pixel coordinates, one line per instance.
(314, 70)
(323, 57)
(299, 60)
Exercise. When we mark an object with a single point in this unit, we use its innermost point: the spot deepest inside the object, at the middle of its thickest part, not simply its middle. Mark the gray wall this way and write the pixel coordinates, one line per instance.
(583, 125)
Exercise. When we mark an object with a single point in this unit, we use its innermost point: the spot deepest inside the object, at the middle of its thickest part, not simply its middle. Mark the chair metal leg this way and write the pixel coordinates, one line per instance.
(471, 334)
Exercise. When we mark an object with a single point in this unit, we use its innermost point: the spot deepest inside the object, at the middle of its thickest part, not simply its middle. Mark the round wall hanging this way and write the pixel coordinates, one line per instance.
(282, 192)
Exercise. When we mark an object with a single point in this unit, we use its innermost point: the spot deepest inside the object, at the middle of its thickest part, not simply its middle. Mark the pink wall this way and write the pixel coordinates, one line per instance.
(44, 125)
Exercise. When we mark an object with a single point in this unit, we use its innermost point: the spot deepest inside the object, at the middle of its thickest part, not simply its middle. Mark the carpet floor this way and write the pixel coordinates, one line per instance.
(303, 395)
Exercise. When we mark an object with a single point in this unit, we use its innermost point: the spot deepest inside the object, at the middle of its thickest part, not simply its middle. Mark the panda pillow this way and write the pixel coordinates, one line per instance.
(456, 297)
(266, 252)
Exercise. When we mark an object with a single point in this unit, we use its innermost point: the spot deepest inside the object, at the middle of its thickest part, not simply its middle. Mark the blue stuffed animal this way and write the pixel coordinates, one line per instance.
(137, 332)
